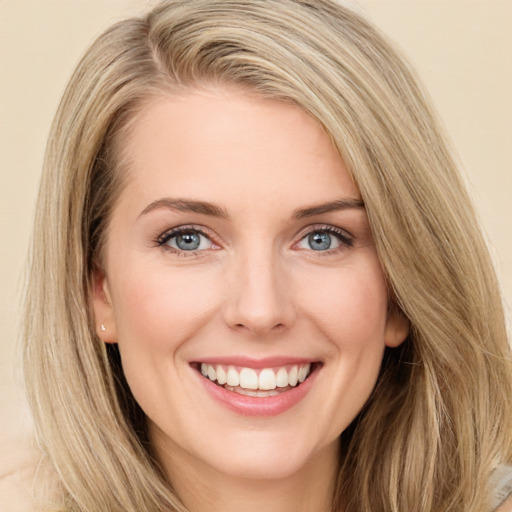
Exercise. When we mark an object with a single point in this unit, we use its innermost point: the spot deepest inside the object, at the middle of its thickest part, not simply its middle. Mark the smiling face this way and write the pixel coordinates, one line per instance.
(239, 261)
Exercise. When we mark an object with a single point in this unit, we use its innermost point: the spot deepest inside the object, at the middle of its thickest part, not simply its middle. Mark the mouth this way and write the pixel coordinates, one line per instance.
(257, 382)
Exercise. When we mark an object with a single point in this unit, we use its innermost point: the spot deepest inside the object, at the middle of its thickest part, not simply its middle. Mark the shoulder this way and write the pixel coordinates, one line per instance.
(506, 506)
(19, 457)
(28, 484)
(502, 485)
(18, 466)
(15, 490)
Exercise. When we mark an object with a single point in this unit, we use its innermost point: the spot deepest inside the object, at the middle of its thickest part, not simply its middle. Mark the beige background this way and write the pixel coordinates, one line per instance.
(462, 49)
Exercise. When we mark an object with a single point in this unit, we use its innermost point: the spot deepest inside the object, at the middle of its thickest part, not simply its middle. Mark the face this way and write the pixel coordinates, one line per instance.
(242, 285)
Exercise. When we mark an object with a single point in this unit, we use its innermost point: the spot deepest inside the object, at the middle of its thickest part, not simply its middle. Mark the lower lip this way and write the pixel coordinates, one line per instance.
(259, 406)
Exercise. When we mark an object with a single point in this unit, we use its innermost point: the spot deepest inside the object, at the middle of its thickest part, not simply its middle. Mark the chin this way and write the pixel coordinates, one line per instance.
(268, 456)
(263, 467)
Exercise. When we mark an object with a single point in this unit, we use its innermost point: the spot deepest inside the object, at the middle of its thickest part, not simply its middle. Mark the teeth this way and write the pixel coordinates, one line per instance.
(266, 381)
(250, 392)
(233, 379)
(221, 375)
(282, 378)
(212, 374)
(303, 372)
(248, 379)
(293, 376)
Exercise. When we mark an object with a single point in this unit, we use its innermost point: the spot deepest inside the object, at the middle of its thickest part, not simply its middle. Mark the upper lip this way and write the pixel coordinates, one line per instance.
(255, 363)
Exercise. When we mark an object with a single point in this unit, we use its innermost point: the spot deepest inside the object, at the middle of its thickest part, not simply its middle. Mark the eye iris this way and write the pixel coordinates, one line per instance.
(188, 241)
(319, 241)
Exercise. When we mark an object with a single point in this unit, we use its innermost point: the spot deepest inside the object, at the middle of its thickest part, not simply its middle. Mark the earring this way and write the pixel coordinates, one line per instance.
(103, 328)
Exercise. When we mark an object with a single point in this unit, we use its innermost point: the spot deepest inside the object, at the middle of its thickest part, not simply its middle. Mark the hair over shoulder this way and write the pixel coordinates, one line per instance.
(439, 419)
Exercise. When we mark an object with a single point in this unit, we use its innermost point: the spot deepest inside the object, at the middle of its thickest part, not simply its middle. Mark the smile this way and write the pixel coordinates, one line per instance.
(257, 387)
(257, 382)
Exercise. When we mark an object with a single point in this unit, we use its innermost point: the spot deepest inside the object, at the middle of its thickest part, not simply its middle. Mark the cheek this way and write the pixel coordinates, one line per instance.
(157, 311)
(350, 312)
(350, 306)
(158, 308)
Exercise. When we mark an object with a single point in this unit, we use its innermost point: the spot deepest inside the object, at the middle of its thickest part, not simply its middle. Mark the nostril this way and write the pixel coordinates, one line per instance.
(277, 327)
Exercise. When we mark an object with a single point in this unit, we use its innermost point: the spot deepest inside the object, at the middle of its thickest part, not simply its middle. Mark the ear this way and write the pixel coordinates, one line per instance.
(103, 310)
(397, 328)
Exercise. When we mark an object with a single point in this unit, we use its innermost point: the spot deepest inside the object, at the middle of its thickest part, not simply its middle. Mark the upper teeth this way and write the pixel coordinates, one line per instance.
(248, 378)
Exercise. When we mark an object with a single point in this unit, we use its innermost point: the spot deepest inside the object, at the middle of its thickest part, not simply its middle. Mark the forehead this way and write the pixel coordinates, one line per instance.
(219, 140)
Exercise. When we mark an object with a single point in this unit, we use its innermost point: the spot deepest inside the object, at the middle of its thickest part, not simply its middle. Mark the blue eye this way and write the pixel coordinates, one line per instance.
(325, 239)
(188, 241)
(320, 241)
(185, 240)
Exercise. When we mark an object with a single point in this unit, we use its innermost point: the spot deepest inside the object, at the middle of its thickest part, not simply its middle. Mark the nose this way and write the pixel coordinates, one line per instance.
(259, 298)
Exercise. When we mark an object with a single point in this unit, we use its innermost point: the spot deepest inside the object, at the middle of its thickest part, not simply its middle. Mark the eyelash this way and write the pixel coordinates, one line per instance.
(344, 238)
(163, 239)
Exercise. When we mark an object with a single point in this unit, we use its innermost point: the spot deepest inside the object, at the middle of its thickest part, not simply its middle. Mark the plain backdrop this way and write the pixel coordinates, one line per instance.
(461, 48)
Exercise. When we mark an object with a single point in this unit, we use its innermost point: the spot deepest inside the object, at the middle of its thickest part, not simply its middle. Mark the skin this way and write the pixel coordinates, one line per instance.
(254, 288)
(506, 507)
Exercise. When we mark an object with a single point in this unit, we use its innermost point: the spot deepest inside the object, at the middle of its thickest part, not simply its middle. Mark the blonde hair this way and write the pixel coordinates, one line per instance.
(439, 419)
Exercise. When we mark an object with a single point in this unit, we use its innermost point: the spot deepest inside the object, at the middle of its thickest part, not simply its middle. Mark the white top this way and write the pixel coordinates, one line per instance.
(502, 482)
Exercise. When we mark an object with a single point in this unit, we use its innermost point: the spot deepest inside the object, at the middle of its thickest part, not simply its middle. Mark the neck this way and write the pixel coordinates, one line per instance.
(233, 495)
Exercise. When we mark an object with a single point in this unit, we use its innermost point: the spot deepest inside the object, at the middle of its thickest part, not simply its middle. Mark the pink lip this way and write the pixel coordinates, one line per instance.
(248, 362)
(258, 406)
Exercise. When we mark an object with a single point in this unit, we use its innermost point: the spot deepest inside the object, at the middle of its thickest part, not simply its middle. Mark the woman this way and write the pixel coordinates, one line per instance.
(256, 277)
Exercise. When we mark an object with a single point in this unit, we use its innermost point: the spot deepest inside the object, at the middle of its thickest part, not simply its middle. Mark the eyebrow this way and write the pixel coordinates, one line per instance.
(206, 208)
(332, 206)
(186, 205)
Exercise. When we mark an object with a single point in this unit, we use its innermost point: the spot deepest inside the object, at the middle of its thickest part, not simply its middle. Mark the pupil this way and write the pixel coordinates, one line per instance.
(188, 241)
(319, 241)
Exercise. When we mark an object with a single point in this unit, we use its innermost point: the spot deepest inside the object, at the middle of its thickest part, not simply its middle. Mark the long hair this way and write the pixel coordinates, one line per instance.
(439, 419)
